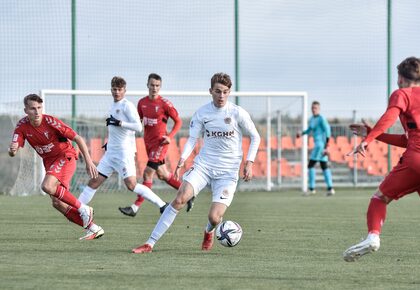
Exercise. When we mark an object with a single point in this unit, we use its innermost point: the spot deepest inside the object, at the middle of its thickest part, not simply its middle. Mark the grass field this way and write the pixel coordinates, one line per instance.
(289, 242)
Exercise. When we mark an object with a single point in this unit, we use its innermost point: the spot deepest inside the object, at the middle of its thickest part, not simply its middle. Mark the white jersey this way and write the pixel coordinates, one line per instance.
(122, 139)
(222, 130)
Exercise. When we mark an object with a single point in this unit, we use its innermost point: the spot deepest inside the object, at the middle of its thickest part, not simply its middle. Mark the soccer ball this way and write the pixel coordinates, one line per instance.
(229, 233)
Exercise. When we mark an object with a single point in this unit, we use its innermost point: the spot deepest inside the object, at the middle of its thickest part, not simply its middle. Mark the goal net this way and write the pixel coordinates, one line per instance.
(280, 163)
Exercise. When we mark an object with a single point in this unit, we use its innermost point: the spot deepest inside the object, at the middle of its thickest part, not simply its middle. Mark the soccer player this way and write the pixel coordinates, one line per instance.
(222, 124)
(123, 122)
(321, 132)
(155, 112)
(404, 178)
(51, 139)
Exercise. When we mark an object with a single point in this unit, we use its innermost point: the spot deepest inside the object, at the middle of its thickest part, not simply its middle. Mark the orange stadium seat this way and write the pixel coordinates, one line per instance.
(261, 157)
(245, 146)
(286, 170)
(96, 150)
(336, 155)
(172, 156)
(141, 155)
(274, 142)
(344, 144)
(182, 142)
(297, 169)
(287, 143)
(298, 143)
(263, 144)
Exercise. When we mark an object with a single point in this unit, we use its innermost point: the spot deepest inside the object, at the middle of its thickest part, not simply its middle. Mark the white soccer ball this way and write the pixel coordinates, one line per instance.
(229, 233)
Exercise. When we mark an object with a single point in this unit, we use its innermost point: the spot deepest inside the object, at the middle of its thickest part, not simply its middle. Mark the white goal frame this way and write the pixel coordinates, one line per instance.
(303, 96)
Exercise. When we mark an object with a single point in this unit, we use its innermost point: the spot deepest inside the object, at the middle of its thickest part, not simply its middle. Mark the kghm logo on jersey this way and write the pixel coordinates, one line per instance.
(220, 134)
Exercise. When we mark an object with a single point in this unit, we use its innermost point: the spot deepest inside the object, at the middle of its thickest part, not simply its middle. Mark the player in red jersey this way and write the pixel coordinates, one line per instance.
(51, 139)
(155, 111)
(404, 178)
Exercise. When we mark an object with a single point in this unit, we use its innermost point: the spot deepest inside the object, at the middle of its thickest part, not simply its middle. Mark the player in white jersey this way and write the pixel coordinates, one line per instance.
(122, 124)
(221, 124)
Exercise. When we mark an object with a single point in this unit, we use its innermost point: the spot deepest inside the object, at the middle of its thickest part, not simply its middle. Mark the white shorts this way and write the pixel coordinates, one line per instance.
(125, 165)
(223, 183)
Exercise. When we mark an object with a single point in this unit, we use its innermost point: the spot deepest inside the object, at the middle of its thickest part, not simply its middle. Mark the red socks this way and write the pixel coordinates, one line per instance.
(376, 215)
(65, 196)
(73, 215)
(140, 198)
(173, 182)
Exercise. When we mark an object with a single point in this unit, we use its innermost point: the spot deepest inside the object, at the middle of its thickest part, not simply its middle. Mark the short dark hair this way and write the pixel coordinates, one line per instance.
(154, 76)
(32, 97)
(221, 78)
(118, 82)
(409, 68)
(316, 103)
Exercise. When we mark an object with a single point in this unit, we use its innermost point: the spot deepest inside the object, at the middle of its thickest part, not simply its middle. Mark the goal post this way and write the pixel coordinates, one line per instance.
(89, 111)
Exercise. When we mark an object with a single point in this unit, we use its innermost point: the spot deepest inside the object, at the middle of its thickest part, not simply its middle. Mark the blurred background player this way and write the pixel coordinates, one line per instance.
(155, 111)
(321, 132)
(51, 139)
(217, 164)
(404, 178)
(123, 122)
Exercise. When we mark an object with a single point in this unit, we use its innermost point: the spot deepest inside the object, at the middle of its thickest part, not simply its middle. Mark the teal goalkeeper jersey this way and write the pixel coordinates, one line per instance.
(320, 129)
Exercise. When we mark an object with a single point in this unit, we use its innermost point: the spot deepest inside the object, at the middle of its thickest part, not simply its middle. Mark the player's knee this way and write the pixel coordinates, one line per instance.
(148, 174)
(183, 196)
(311, 164)
(324, 165)
(179, 202)
(131, 186)
(49, 188)
(379, 195)
(161, 175)
(215, 218)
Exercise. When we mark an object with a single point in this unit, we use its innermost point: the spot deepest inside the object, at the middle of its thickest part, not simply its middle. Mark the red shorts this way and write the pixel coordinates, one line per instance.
(157, 153)
(404, 178)
(62, 168)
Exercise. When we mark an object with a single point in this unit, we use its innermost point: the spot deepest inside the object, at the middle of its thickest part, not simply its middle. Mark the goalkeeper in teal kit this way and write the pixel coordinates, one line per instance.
(321, 132)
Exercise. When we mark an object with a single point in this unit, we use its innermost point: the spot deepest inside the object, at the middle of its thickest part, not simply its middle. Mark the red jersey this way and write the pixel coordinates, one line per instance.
(406, 102)
(155, 115)
(50, 140)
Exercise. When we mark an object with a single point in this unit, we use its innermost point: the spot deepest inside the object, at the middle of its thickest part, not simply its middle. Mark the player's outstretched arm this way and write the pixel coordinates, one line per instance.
(90, 166)
(361, 129)
(360, 149)
(364, 129)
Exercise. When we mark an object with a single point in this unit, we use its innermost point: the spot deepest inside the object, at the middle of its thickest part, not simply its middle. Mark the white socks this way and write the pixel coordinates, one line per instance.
(134, 207)
(148, 194)
(93, 227)
(373, 237)
(163, 224)
(87, 195)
